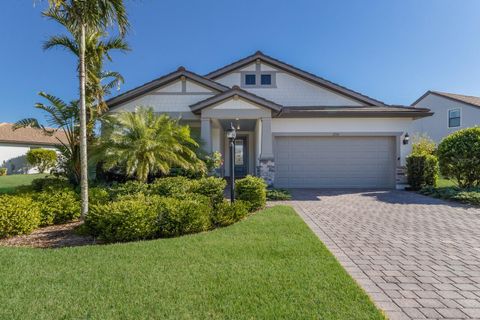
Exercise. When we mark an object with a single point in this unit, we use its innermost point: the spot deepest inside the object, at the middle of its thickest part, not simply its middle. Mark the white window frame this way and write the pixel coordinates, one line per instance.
(448, 117)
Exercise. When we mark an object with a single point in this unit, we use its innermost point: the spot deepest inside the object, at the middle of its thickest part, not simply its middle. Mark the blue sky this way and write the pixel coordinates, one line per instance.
(390, 50)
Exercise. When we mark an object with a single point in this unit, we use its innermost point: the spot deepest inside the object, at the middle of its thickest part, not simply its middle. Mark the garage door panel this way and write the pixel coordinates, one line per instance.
(334, 162)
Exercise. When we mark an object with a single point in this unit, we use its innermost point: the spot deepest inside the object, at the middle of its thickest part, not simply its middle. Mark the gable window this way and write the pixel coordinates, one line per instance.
(266, 79)
(454, 118)
(250, 79)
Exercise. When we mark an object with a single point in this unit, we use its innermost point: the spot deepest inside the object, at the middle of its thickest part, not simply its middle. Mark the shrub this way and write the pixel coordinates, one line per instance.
(183, 216)
(43, 159)
(470, 196)
(50, 183)
(128, 188)
(123, 220)
(171, 186)
(98, 195)
(211, 187)
(18, 215)
(227, 213)
(422, 171)
(278, 194)
(3, 172)
(252, 190)
(57, 206)
(422, 144)
(459, 156)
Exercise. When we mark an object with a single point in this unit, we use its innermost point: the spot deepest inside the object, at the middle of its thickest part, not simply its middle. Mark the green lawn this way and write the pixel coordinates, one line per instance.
(270, 266)
(9, 183)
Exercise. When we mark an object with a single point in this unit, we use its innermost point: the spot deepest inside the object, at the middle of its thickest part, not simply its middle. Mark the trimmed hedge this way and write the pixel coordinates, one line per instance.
(422, 171)
(18, 215)
(171, 186)
(211, 187)
(459, 156)
(252, 190)
(227, 213)
(50, 183)
(57, 206)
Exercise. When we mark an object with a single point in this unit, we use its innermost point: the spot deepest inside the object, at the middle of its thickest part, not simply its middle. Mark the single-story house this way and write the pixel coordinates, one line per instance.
(295, 129)
(452, 112)
(14, 145)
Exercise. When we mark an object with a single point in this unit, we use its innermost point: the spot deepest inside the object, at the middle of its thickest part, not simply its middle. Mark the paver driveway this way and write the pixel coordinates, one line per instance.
(416, 256)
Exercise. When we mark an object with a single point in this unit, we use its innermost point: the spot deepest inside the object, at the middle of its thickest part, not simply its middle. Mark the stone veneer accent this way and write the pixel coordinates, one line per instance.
(266, 170)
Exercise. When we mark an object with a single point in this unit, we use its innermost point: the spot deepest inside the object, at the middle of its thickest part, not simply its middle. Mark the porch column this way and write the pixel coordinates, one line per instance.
(266, 168)
(206, 134)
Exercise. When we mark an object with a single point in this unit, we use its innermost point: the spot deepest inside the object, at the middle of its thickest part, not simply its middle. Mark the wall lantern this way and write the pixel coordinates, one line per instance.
(406, 138)
(231, 135)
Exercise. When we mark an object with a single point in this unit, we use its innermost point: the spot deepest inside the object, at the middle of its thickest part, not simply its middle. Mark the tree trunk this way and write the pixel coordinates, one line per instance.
(83, 130)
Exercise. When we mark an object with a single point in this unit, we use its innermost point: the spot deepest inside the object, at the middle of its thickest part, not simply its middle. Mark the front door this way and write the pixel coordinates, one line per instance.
(241, 157)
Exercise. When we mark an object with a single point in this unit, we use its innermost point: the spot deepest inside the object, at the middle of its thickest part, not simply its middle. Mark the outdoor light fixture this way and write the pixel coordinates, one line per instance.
(406, 138)
(231, 135)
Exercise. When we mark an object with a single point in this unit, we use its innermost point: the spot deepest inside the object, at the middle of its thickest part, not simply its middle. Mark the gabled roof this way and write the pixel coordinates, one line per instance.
(159, 82)
(298, 72)
(30, 135)
(470, 100)
(235, 91)
(349, 111)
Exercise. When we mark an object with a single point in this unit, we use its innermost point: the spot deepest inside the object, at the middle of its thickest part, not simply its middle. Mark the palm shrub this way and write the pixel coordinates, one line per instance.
(19, 215)
(252, 190)
(43, 159)
(146, 144)
(459, 156)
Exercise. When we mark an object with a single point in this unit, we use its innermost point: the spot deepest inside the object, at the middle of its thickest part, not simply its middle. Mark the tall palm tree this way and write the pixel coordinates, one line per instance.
(91, 15)
(145, 144)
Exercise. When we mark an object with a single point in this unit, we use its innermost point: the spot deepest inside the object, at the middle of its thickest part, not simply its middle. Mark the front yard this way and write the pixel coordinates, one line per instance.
(269, 266)
(9, 183)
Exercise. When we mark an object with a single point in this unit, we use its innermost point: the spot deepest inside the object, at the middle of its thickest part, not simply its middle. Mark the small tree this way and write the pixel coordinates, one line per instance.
(422, 145)
(43, 159)
(459, 156)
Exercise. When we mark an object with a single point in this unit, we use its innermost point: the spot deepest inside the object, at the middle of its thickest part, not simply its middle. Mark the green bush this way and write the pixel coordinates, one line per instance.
(422, 144)
(57, 206)
(128, 188)
(211, 187)
(470, 196)
(50, 183)
(123, 220)
(3, 172)
(422, 171)
(227, 213)
(171, 186)
(18, 215)
(278, 194)
(98, 195)
(183, 216)
(459, 156)
(43, 159)
(252, 190)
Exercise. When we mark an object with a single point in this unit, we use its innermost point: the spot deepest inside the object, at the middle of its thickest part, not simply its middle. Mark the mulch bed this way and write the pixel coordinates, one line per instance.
(57, 236)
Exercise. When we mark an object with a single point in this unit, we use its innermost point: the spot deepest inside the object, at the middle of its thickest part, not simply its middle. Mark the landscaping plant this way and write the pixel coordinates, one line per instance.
(278, 194)
(252, 190)
(43, 159)
(459, 156)
(226, 213)
(19, 214)
(422, 171)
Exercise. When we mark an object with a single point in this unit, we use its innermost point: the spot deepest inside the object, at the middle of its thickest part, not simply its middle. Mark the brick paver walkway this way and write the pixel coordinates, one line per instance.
(417, 257)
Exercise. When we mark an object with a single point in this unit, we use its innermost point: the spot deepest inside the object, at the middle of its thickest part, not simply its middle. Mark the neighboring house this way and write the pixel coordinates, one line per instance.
(14, 145)
(295, 129)
(451, 113)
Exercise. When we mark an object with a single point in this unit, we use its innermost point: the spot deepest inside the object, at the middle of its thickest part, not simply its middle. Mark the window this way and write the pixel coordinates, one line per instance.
(454, 118)
(238, 152)
(250, 79)
(266, 79)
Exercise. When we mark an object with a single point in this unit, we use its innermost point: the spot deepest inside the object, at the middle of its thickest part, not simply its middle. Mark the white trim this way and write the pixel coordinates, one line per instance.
(448, 117)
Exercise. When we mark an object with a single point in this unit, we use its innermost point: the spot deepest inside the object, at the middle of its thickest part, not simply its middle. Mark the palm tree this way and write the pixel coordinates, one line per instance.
(84, 16)
(146, 144)
(61, 116)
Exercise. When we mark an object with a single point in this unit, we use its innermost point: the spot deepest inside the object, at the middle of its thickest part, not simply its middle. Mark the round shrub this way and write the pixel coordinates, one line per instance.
(183, 216)
(459, 156)
(128, 188)
(98, 195)
(211, 187)
(57, 206)
(252, 190)
(226, 213)
(171, 186)
(123, 220)
(18, 215)
(50, 183)
(422, 171)
(43, 159)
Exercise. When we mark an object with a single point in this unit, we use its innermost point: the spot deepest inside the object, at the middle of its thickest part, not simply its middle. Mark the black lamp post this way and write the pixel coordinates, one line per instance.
(231, 135)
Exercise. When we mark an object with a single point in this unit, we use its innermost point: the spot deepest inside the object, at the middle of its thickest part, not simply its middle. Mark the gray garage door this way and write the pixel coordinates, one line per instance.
(335, 162)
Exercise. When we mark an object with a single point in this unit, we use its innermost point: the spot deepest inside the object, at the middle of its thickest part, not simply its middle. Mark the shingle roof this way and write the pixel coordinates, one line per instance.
(348, 111)
(29, 135)
(471, 100)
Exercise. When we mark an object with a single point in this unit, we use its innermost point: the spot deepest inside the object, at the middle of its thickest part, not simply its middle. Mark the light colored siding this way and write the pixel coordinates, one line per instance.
(12, 156)
(436, 126)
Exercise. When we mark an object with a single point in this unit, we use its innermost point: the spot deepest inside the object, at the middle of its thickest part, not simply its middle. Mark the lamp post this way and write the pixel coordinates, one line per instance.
(231, 135)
